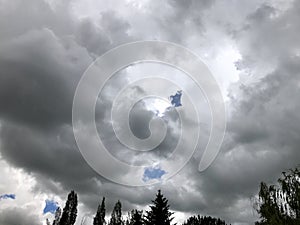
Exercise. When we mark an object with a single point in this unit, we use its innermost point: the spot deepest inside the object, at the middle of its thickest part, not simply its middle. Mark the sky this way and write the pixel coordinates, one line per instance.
(252, 49)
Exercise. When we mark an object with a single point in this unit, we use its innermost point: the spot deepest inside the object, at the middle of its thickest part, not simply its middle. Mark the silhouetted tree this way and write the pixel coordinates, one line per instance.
(159, 213)
(57, 216)
(280, 205)
(70, 210)
(135, 217)
(99, 219)
(204, 220)
(116, 215)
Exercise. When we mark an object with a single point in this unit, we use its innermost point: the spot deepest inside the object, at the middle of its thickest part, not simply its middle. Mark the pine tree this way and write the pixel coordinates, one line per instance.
(57, 216)
(159, 213)
(70, 210)
(116, 215)
(99, 219)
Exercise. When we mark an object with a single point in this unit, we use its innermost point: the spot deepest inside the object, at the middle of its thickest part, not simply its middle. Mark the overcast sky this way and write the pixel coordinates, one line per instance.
(251, 47)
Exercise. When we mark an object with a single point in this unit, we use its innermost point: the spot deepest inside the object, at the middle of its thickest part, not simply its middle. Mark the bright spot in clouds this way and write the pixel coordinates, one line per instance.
(157, 105)
(160, 106)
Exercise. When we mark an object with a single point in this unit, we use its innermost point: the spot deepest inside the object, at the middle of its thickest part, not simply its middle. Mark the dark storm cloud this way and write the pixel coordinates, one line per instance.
(38, 78)
(53, 155)
(43, 53)
(40, 67)
(42, 59)
(17, 216)
(139, 120)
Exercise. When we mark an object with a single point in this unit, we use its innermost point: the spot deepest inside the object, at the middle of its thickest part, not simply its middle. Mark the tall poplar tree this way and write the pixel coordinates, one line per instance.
(70, 210)
(99, 219)
(116, 215)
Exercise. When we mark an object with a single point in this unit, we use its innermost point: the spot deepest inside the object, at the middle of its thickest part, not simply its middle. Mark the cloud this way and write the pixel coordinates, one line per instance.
(15, 216)
(43, 93)
(43, 58)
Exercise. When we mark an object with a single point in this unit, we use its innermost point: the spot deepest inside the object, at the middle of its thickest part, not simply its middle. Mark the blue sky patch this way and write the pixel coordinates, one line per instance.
(151, 173)
(8, 196)
(50, 207)
(176, 99)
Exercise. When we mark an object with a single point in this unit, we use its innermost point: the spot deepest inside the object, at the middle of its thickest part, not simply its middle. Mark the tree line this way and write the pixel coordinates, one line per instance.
(159, 214)
(276, 205)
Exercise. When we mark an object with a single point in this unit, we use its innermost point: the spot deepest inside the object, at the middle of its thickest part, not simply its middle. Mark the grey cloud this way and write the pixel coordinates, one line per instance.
(42, 60)
(102, 35)
(33, 15)
(139, 119)
(17, 216)
(38, 77)
(262, 131)
(43, 57)
(269, 35)
(183, 20)
(52, 154)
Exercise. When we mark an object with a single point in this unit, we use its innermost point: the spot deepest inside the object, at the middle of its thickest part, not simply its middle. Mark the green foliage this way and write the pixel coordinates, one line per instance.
(159, 213)
(99, 219)
(280, 205)
(70, 210)
(204, 220)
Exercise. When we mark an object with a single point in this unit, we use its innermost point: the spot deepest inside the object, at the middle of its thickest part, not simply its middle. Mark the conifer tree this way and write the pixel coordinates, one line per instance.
(99, 219)
(70, 210)
(159, 213)
(136, 217)
(116, 215)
